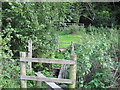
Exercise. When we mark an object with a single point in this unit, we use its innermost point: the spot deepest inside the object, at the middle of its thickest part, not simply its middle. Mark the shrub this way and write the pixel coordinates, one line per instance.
(73, 29)
(95, 59)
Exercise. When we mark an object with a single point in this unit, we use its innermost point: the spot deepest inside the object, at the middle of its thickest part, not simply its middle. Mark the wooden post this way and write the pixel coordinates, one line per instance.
(23, 69)
(73, 68)
(30, 54)
(39, 83)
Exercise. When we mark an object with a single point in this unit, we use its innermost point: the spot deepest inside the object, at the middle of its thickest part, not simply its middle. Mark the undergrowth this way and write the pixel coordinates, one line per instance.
(97, 53)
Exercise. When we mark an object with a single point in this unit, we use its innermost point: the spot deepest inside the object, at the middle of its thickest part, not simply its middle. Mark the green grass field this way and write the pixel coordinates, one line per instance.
(68, 38)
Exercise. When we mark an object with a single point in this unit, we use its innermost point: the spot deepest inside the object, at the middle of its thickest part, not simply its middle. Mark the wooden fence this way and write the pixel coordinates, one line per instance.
(40, 77)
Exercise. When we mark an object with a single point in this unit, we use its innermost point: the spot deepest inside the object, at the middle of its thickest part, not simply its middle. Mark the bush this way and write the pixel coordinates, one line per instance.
(95, 59)
(6, 66)
(73, 29)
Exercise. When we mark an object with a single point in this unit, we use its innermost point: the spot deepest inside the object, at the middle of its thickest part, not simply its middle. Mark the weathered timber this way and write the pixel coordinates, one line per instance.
(46, 79)
(44, 60)
(39, 83)
(73, 68)
(23, 70)
(51, 84)
(73, 71)
(63, 70)
(30, 54)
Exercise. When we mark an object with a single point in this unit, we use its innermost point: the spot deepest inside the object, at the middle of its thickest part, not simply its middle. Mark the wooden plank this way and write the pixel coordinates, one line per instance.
(62, 70)
(51, 84)
(30, 54)
(44, 60)
(30, 48)
(46, 79)
(64, 43)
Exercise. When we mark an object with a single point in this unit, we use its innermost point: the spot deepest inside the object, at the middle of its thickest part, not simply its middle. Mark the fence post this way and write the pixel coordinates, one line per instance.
(39, 83)
(73, 68)
(30, 54)
(23, 69)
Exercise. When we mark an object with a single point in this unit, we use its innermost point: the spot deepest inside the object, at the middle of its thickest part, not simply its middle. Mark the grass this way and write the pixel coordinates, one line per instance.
(68, 38)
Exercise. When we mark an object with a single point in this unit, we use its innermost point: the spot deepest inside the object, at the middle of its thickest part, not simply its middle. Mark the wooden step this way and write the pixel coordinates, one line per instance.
(51, 84)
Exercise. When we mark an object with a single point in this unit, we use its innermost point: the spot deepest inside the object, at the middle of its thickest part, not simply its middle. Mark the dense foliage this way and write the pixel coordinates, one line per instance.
(27, 25)
(97, 58)
(97, 48)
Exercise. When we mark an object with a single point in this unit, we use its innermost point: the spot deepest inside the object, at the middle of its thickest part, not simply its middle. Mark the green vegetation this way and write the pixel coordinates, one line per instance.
(68, 38)
(96, 44)
(97, 52)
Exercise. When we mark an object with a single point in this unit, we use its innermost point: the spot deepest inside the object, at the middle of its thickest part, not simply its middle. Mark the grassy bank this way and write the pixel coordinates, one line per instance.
(69, 39)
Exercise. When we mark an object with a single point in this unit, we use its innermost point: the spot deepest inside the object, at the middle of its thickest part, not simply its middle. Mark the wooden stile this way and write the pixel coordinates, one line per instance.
(23, 70)
(44, 60)
(40, 77)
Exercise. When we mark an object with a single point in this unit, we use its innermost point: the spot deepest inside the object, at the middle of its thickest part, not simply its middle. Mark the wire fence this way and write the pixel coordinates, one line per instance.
(9, 57)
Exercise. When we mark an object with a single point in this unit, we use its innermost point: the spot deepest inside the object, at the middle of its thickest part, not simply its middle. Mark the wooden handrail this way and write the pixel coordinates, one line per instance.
(46, 79)
(44, 60)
